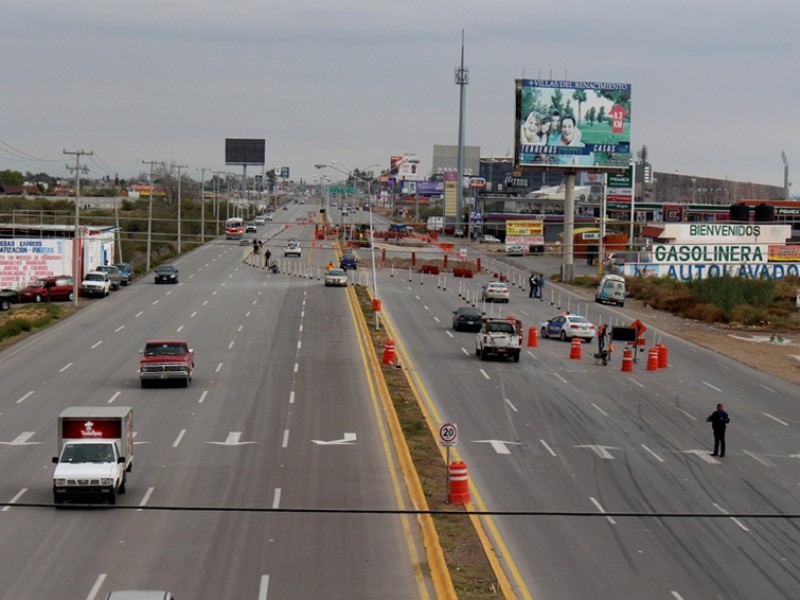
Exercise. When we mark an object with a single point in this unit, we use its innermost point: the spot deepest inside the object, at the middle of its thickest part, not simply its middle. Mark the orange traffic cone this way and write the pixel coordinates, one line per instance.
(533, 337)
(652, 359)
(575, 349)
(663, 356)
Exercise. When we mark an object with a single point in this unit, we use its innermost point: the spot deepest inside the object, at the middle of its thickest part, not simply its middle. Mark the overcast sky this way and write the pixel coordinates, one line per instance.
(715, 86)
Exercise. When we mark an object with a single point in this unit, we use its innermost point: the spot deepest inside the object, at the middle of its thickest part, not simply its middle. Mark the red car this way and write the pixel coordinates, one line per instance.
(166, 360)
(48, 289)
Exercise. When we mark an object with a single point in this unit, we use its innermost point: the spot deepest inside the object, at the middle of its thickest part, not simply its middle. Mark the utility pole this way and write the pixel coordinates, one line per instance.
(203, 204)
(77, 246)
(179, 167)
(217, 191)
(150, 211)
(462, 79)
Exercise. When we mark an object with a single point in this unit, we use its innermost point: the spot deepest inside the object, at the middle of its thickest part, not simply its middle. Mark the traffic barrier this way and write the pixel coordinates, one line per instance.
(389, 354)
(663, 356)
(533, 337)
(652, 359)
(459, 483)
(627, 360)
(575, 349)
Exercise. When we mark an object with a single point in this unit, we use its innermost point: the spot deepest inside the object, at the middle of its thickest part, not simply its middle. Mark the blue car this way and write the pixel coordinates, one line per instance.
(126, 270)
(348, 261)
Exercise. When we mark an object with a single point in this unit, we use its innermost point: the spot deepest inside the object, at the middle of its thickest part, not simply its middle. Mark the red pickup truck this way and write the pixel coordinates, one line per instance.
(166, 360)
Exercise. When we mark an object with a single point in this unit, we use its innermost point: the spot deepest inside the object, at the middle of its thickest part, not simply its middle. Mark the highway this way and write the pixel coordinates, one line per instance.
(279, 417)
(599, 480)
(555, 435)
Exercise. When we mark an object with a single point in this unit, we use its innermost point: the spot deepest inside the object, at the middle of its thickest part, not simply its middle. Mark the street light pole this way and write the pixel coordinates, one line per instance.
(179, 167)
(150, 213)
(203, 204)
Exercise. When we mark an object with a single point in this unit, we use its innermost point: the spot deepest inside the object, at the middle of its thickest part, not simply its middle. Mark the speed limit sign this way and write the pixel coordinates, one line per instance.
(448, 434)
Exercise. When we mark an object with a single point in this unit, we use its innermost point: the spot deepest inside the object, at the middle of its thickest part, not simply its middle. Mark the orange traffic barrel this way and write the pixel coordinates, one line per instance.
(389, 355)
(663, 356)
(627, 360)
(533, 337)
(652, 359)
(575, 349)
(459, 483)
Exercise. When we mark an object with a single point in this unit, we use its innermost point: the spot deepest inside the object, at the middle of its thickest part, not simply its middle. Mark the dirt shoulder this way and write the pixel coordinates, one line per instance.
(776, 353)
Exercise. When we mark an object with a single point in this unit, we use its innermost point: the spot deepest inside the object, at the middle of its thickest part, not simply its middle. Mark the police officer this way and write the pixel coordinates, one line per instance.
(719, 420)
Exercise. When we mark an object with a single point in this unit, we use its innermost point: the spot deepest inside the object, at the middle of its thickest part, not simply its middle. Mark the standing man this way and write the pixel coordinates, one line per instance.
(719, 420)
(534, 283)
(267, 256)
(540, 287)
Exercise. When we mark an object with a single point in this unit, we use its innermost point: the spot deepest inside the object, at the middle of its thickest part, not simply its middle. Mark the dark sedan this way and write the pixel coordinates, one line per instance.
(467, 318)
(7, 298)
(166, 274)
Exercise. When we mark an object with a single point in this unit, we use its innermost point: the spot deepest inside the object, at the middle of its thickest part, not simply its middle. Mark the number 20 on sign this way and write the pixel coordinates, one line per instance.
(448, 434)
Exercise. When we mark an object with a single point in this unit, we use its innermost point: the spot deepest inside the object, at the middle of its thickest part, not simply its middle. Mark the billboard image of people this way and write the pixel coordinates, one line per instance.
(573, 123)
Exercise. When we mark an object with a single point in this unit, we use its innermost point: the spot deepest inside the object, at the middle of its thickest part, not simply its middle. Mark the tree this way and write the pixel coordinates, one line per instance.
(580, 97)
(9, 177)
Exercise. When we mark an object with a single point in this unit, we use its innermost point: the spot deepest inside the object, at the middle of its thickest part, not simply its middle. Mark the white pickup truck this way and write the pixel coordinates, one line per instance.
(499, 337)
(95, 453)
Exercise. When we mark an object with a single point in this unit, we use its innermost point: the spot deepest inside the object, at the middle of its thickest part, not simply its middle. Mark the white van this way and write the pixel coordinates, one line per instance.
(611, 289)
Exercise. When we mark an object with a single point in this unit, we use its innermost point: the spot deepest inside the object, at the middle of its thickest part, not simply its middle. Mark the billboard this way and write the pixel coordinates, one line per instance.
(564, 124)
(244, 151)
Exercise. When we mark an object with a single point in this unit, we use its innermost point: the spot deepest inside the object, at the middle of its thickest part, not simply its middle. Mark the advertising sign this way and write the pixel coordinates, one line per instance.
(524, 233)
(572, 123)
(244, 151)
(25, 260)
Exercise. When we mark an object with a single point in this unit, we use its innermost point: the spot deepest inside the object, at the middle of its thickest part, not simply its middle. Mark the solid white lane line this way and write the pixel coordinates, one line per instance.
(686, 413)
(263, 588)
(25, 397)
(776, 419)
(602, 510)
(178, 439)
(653, 454)
(146, 497)
(96, 587)
(547, 447)
(14, 499)
(725, 512)
(602, 412)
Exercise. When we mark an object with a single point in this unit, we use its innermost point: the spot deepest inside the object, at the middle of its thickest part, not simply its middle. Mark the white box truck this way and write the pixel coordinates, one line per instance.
(95, 453)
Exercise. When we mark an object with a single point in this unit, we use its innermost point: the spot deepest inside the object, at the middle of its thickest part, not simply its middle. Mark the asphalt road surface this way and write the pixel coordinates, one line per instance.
(245, 479)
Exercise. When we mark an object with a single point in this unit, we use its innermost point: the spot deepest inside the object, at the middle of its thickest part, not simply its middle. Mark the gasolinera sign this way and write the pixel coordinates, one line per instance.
(686, 251)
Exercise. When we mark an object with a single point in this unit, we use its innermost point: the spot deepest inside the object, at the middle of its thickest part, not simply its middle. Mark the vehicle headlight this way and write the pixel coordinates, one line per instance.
(61, 482)
(105, 481)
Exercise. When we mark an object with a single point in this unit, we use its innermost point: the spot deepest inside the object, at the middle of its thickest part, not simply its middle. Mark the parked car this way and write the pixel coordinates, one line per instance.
(96, 283)
(336, 277)
(113, 275)
(566, 327)
(496, 291)
(166, 274)
(7, 298)
(488, 239)
(348, 261)
(125, 271)
(251, 229)
(467, 317)
(48, 289)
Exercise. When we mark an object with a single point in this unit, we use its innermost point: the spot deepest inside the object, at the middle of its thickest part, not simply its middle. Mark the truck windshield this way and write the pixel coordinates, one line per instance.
(164, 350)
(88, 453)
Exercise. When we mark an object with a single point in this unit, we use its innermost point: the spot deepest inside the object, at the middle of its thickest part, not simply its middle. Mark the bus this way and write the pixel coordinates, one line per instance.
(234, 228)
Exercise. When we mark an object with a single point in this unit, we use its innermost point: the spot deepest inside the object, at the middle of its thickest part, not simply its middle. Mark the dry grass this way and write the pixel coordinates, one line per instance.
(470, 570)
